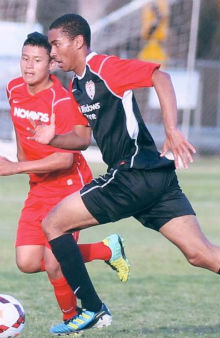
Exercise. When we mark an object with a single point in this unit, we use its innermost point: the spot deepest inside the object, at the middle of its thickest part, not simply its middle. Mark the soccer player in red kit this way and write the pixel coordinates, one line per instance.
(53, 173)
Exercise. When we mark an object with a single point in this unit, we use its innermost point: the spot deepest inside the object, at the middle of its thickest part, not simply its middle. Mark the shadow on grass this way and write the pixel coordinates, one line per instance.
(173, 331)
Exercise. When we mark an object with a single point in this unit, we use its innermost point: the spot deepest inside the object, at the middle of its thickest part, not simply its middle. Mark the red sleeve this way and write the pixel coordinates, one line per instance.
(64, 121)
(64, 112)
(67, 115)
(125, 74)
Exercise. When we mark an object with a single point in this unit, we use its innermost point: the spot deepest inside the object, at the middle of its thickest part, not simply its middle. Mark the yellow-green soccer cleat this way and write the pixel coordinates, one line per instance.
(118, 261)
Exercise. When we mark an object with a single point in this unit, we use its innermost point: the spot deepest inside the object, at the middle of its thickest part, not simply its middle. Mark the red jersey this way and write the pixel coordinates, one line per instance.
(39, 107)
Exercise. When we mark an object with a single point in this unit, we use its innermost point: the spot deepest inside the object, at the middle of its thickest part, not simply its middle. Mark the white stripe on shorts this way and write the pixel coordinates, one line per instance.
(101, 186)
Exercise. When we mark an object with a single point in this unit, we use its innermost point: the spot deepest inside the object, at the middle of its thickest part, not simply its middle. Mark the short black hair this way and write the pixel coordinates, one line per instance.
(39, 40)
(73, 25)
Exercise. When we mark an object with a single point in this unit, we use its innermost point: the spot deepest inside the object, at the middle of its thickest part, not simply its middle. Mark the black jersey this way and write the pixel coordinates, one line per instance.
(105, 97)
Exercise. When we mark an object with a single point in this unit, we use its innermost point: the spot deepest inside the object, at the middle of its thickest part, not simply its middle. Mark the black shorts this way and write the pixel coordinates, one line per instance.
(153, 197)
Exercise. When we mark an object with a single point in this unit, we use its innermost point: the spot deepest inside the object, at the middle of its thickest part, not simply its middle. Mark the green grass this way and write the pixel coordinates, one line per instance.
(165, 296)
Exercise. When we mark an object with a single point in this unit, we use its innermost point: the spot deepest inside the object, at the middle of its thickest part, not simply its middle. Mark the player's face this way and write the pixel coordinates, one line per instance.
(35, 65)
(64, 50)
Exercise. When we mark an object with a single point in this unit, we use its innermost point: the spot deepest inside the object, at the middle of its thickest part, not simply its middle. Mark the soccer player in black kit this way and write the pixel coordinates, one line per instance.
(140, 181)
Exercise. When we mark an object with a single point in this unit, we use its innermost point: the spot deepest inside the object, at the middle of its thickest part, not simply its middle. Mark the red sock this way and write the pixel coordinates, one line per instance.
(65, 297)
(63, 292)
(94, 251)
(90, 252)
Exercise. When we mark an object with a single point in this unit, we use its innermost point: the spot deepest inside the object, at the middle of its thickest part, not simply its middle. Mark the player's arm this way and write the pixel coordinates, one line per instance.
(77, 139)
(53, 162)
(175, 141)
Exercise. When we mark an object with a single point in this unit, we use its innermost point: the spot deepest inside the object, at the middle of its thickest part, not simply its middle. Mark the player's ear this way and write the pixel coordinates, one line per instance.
(52, 65)
(79, 41)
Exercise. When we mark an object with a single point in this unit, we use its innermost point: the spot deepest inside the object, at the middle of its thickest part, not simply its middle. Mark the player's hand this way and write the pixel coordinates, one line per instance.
(42, 133)
(182, 149)
(7, 167)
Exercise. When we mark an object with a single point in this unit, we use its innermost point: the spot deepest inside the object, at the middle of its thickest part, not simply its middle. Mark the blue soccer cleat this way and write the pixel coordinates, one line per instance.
(83, 321)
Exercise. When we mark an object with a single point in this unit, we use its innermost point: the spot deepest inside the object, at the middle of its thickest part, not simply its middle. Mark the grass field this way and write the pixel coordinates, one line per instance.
(165, 296)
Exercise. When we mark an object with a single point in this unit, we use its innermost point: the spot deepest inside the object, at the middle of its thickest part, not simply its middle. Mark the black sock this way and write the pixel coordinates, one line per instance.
(218, 272)
(66, 251)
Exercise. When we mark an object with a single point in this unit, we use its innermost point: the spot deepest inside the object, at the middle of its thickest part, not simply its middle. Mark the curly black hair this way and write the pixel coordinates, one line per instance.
(73, 25)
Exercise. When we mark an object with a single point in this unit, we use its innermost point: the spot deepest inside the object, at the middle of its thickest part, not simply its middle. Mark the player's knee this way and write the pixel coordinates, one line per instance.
(27, 266)
(53, 270)
(196, 258)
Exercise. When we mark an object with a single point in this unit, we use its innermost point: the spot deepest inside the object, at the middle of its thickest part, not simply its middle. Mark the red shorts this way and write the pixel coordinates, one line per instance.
(36, 207)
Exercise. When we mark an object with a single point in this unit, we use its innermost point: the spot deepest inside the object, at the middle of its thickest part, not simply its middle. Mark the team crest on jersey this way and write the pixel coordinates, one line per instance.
(90, 89)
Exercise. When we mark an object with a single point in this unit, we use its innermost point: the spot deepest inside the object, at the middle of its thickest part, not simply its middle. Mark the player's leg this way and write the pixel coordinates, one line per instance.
(175, 218)
(67, 301)
(70, 259)
(63, 292)
(111, 250)
(104, 201)
(44, 260)
(32, 259)
(71, 213)
(186, 234)
(29, 258)
(68, 215)
(108, 250)
(30, 238)
(37, 257)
